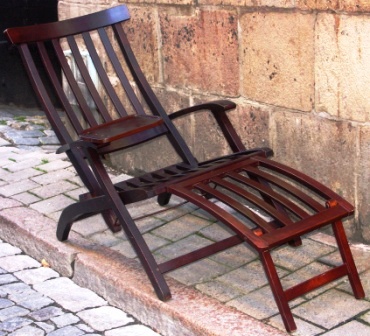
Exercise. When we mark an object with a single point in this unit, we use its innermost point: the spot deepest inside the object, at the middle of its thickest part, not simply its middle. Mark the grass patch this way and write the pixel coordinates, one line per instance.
(3, 122)
(44, 161)
(10, 159)
(40, 170)
(20, 118)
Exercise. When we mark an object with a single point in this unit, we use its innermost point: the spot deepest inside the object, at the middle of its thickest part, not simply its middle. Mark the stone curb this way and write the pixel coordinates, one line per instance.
(122, 281)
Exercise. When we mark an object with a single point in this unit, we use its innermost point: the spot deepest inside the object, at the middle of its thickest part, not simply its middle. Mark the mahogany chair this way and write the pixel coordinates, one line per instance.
(247, 181)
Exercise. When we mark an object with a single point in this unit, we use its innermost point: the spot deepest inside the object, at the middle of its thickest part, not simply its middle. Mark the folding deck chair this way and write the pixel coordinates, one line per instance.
(245, 182)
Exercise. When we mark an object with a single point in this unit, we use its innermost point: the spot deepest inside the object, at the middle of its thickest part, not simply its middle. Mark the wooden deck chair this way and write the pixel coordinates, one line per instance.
(235, 189)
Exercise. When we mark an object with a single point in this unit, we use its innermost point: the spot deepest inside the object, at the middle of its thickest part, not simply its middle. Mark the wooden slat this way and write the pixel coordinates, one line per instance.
(43, 96)
(269, 193)
(309, 201)
(103, 75)
(120, 73)
(86, 112)
(87, 79)
(281, 218)
(305, 180)
(58, 87)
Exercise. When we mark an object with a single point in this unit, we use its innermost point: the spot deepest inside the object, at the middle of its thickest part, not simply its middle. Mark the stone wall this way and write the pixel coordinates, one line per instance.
(299, 71)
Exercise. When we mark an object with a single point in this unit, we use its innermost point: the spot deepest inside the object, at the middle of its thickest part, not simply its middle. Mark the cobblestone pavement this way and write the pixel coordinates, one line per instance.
(35, 181)
(35, 301)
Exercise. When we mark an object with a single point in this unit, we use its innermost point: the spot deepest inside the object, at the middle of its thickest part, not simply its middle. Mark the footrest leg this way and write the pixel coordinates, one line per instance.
(278, 291)
(348, 261)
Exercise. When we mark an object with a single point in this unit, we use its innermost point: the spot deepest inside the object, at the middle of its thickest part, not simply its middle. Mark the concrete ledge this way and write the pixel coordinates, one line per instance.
(122, 281)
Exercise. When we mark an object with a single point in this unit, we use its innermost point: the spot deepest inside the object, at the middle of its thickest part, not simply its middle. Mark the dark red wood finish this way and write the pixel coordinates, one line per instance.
(269, 203)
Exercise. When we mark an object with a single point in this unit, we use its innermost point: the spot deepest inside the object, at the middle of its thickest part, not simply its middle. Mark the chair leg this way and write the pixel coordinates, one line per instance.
(163, 199)
(278, 291)
(347, 258)
(77, 211)
(132, 232)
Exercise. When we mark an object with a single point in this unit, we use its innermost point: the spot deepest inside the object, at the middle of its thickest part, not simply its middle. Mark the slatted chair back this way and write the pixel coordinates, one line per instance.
(85, 90)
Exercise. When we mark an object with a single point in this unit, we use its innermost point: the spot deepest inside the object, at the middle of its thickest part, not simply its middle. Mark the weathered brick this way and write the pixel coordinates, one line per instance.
(342, 79)
(200, 50)
(277, 61)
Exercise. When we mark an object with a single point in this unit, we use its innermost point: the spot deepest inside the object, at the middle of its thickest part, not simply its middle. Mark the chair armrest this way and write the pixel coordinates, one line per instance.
(119, 128)
(213, 106)
(218, 108)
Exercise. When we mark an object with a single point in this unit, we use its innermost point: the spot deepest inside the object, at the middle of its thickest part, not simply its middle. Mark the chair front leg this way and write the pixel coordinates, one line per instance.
(135, 237)
(347, 258)
(277, 291)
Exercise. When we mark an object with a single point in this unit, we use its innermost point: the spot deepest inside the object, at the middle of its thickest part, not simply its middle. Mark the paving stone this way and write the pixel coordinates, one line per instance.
(183, 246)
(104, 318)
(198, 272)
(53, 189)
(46, 313)
(47, 327)
(296, 257)
(216, 232)
(351, 328)
(249, 277)
(26, 198)
(303, 328)
(21, 165)
(134, 330)
(17, 188)
(49, 140)
(7, 278)
(22, 175)
(52, 204)
(316, 310)
(11, 312)
(37, 275)
(236, 256)
(7, 203)
(149, 223)
(366, 318)
(219, 290)
(65, 319)
(18, 140)
(5, 303)
(30, 299)
(18, 262)
(181, 227)
(28, 331)
(70, 296)
(84, 327)
(67, 331)
(14, 288)
(55, 165)
(8, 250)
(126, 249)
(14, 323)
(107, 238)
(4, 142)
(53, 176)
(90, 226)
(259, 304)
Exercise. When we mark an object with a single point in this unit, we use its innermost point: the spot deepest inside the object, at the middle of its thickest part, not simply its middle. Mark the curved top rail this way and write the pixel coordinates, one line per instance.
(78, 25)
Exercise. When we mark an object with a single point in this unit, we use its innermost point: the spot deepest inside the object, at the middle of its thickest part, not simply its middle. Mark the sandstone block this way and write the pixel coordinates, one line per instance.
(323, 149)
(277, 63)
(342, 79)
(363, 178)
(200, 50)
